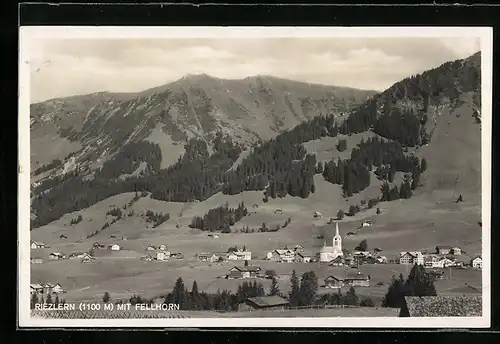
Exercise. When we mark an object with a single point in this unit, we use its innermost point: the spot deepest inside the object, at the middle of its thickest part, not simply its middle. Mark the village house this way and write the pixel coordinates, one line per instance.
(334, 282)
(77, 255)
(281, 255)
(56, 256)
(435, 275)
(36, 260)
(302, 258)
(176, 255)
(443, 262)
(162, 247)
(162, 255)
(87, 258)
(411, 258)
(366, 224)
(147, 257)
(34, 245)
(62, 236)
(213, 235)
(381, 259)
(443, 250)
(298, 248)
(47, 288)
(430, 260)
(98, 246)
(339, 261)
(238, 272)
(151, 248)
(36, 288)
(477, 263)
(58, 289)
(357, 280)
(239, 255)
(266, 302)
(208, 257)
(456, 251)
(114, 247)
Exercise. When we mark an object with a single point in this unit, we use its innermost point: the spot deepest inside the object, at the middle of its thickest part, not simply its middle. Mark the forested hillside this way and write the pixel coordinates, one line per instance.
(279, 166)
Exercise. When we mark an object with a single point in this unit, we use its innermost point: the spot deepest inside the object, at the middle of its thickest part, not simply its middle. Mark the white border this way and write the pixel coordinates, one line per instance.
(28, 34)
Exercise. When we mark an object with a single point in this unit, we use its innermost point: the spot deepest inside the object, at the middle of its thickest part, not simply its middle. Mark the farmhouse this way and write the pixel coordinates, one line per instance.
(302, 258)
(162, 247)
(443, 262)
(98, 246)
(477, 263)
(243, 272)
(208, 257)
(334, 282)
(366, 224)
(36, 260)
(239, 255)
(176, 255)
(162, 255)
(357, 280)
(77, 255)
(266, 302)
(317, 215)
(36, 288)
(87, 258)
(147, 257)
(62, 236)
(435, 275)
(280, 255)
(56, 256)
(238, 273)
(442, 306)
(114, 247)
(34, 245)
(443, 249)
(381, 259)
(57, 289)
(151, 248)
(411, 258)
(213, 235)
(456, 251)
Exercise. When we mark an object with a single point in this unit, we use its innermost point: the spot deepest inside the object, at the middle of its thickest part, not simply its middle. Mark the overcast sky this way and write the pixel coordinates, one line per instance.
(69, 67)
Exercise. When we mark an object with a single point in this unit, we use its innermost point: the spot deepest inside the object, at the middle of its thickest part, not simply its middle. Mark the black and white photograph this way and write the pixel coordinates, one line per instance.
(255, 176)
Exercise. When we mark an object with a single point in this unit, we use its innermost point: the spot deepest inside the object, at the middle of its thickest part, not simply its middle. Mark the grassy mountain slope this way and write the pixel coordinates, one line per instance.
(194, 106)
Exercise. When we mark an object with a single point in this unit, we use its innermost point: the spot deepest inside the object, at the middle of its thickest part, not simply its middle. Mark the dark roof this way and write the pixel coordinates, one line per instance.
(357, 276)
(266, 301)
(443, 306)
(444, 246)
(252, 268)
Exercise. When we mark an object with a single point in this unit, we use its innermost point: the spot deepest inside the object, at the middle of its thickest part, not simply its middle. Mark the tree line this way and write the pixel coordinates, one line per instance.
(220, 218)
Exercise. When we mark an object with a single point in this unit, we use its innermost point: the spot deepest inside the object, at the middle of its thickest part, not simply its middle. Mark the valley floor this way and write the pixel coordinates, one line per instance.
(420, 223)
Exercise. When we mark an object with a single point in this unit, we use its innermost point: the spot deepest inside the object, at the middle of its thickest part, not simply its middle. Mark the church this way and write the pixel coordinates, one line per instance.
(329, 253)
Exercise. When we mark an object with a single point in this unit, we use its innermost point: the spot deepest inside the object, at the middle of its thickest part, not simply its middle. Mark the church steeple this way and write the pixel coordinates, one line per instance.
(337, 229)
(337, 239)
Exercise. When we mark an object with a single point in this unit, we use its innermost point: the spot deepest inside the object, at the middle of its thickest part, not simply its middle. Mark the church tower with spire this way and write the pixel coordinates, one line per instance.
(337, 239)
(329, 253)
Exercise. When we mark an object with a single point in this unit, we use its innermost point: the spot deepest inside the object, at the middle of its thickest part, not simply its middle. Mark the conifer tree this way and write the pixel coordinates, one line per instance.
(308, 288)
(294, 295)
(34, 300)
(106, 298)
(274, 287)
(350, 297)
(49, 298)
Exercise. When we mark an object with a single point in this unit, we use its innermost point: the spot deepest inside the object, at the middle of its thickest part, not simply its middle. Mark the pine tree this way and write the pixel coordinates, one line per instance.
(308, 288)
(34, 300)
(49, 298)
(294, 295)
(106, 298)
(351, 298)
(178, 293)
(423, 165)
(274, 287)
(363, 246)
(195, 297)
(246, 262)
(56, 301)
(419, 283)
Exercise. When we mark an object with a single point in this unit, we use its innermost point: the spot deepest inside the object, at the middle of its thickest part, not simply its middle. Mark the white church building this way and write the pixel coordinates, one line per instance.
(329, 253)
